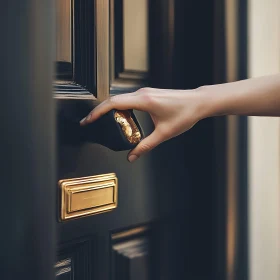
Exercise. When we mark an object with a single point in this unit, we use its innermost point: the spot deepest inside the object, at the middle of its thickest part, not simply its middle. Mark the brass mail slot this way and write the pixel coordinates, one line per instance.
(88, 195)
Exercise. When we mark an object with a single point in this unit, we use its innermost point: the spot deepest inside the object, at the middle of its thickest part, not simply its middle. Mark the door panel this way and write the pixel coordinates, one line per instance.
(76, 260)
(76, 47)
(129, 45)
(131, 258)
(80, 160)
(172, 191)
(136, 197)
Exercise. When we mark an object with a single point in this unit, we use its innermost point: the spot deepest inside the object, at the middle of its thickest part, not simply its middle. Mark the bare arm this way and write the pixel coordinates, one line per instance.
(252, 97)
(176, 111)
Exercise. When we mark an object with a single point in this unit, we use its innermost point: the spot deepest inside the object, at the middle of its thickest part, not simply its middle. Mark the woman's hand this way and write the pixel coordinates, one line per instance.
(175, 111)
(172, 111)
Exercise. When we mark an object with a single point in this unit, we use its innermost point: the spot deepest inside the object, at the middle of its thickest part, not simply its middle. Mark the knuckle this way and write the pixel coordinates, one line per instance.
(147, 97)
(201, 89)
(144, 90)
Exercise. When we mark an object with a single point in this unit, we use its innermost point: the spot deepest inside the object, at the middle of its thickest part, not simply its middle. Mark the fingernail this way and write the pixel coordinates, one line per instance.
(88, 117)
(132, 158)
(81, 121)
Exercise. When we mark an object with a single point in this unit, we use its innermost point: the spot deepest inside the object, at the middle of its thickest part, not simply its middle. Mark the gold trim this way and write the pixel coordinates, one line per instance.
(112, 41)
(63, 31)
(76, 96)
(63, 271)
(63, 263)
(130, 232)
(102, 49)
(88, 195)
(231, 11)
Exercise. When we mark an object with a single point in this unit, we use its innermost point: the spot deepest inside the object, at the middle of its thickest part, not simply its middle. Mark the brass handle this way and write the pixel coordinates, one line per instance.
(116, 130)
(130, 130)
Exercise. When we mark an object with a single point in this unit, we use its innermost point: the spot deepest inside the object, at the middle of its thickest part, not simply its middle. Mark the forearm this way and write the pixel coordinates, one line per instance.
(252, 97)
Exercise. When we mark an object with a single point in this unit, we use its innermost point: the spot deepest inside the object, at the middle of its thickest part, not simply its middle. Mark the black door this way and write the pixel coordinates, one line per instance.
(115, 219)
(158, 218)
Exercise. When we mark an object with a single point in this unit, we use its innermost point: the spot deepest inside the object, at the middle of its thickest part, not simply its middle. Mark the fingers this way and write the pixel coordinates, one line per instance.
(120, 102)
(146, 145)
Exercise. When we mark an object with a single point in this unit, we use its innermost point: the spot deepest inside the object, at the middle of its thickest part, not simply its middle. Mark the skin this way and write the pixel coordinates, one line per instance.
(176, 111)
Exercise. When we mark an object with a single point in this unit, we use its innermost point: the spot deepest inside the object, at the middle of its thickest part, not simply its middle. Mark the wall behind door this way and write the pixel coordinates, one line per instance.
(264, 146)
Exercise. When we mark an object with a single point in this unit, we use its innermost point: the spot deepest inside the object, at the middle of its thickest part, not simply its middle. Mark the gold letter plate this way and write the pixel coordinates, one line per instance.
(88, 195)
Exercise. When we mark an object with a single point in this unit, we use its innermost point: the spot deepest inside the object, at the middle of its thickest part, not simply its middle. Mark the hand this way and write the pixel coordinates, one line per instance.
(172, 111)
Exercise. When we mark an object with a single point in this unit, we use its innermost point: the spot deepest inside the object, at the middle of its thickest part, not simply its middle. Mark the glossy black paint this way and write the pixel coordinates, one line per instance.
(84, 44)
(242, 270)
(64, 70)
(131, 259)
(105, 131)
(79, 158)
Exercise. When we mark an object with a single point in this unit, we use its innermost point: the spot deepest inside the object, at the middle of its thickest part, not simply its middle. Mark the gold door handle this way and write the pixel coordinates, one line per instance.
(116, 130)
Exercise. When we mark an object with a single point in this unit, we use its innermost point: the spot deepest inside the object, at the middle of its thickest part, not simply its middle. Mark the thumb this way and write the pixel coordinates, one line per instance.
(146, 145)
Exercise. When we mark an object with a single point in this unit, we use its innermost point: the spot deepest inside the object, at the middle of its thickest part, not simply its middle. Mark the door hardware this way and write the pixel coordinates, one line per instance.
(116, 130)
(88, 195)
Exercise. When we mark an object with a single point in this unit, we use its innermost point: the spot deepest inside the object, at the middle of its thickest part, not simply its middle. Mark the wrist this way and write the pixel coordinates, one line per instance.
(213, 101)
(206, 100)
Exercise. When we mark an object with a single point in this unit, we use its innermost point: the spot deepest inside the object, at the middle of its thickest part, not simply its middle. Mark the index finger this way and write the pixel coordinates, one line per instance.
(120, 102)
